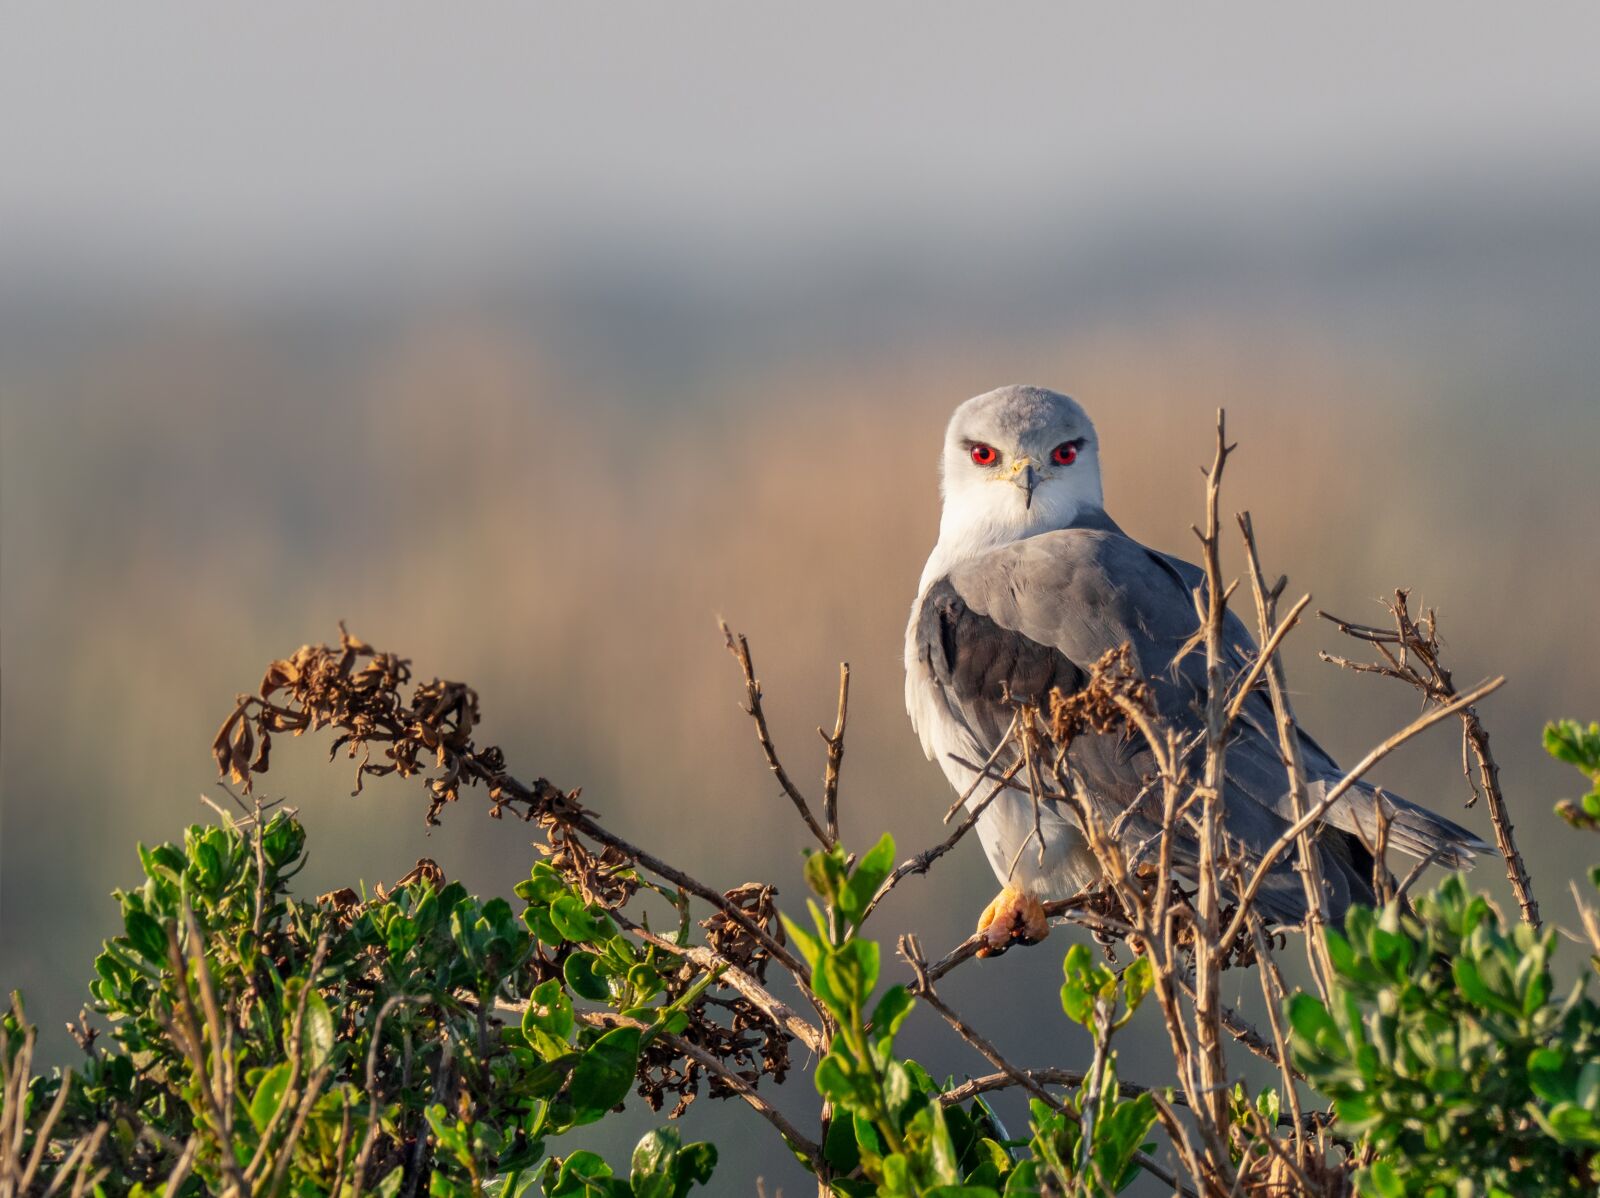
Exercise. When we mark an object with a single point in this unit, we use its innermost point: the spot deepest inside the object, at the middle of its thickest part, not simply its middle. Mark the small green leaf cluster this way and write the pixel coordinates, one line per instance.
(892, 1133)
(1570, 741)
(888, 1129)
(1447, 1057)
(662, 1167)
(1092, 997)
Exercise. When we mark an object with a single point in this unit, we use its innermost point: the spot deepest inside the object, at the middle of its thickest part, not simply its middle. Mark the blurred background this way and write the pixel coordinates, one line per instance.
(529, 341)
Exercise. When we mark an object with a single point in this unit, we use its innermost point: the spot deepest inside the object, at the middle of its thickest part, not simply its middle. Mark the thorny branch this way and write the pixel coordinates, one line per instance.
(1411, 653)
(740, 648)
(1307, 863)
(1212, 1072)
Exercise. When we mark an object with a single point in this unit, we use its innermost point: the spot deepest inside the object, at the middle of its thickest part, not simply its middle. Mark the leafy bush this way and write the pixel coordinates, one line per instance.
(1447, 1053)
(308, 1047)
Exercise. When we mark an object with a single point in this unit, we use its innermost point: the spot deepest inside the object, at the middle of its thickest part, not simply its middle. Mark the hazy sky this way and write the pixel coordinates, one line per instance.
(253, 134)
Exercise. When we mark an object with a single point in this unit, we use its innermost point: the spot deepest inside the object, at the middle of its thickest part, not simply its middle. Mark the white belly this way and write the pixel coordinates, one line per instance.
(1006, 827)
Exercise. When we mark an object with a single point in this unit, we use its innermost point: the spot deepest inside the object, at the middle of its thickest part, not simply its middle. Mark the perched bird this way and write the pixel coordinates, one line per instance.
(1031, 582)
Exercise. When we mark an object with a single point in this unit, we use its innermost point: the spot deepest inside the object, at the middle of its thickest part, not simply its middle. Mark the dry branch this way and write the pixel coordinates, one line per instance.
(740, 648)
(1411, 653)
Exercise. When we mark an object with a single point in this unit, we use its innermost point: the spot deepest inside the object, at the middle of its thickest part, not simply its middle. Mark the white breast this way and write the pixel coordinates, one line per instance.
(1006, 827)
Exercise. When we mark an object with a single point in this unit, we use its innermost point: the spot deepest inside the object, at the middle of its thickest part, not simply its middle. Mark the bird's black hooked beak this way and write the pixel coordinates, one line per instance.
(1027, 478)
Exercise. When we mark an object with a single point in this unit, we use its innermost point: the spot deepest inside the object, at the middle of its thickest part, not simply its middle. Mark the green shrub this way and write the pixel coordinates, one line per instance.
(1447, 1052)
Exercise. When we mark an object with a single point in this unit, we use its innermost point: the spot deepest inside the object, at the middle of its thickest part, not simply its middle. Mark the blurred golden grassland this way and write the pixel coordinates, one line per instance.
(179, 512)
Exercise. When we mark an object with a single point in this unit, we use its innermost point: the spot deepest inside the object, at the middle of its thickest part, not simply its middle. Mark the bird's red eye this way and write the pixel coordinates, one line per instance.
(984, 455)
(1065, 454)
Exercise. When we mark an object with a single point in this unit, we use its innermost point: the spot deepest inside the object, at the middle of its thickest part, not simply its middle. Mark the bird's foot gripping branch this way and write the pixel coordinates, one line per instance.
(416, 1039)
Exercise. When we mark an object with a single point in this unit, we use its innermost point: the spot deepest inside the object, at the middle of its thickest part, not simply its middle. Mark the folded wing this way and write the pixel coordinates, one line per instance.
(1032, 616)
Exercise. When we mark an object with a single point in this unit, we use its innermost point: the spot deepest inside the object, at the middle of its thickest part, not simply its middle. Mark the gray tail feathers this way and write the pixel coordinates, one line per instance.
(1412, 829)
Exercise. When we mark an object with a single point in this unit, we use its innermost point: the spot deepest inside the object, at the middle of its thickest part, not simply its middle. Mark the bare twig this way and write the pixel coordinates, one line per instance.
(1411, 653)
(286, 1101)
(1246, 1033)
(835, 743)
(649, 861)
(1212, 1064)
(989, 1082)
(285, 1152)
(183, 1028)
(702, 958)
(370, 1086)
(740, 648)
(1273, 993)
(1334, 793)
(1070, 910)
(181, 1169)
(1308, 862)
(980, 772)
(1271, 640)
(911, 952)
(921, 862)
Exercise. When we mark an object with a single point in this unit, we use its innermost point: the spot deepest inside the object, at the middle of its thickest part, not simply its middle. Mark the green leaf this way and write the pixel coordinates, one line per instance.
(584, 1175)
(653, 1159)
(891, 1012)
(1470, 981)
(1081, 988)
(1382, 1180)
(545, 1078)
(604, 1076)
(547, 1021)
(823, 872)
(1137, 981)
(869, 874)
(578, 923)
(582, 974)
(849, 973)
(400, 935)
(1310, 1018)
(147, 937)
(694, 1166)
(810, 947)
(316, 1032)
(1268, 1106)
(537, 920)
(268, 1095)
(1571, 742)
(835, 1078)
(840, 1149)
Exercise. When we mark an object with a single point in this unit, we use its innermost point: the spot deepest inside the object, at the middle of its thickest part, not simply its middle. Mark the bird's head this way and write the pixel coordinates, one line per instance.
(1017, 461)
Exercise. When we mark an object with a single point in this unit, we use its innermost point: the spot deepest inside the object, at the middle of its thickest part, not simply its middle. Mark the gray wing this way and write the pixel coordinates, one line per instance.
(1036, 614)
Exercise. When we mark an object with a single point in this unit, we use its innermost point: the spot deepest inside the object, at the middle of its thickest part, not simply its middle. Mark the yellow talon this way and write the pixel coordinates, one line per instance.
(1014, 917)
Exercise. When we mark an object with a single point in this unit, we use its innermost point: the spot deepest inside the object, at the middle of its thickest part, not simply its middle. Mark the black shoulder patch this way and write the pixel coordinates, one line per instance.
(980, 662)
